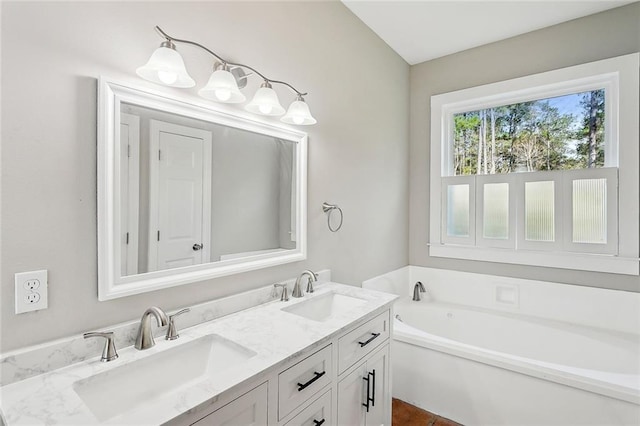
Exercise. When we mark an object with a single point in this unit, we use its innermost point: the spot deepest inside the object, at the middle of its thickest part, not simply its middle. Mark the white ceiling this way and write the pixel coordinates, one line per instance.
(423, 30)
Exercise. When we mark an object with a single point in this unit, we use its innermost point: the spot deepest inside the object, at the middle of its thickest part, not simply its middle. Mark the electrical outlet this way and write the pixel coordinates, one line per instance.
(32, 284)
(31, 291)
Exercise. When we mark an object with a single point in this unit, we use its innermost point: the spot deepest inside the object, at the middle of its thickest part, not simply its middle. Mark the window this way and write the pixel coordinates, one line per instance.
(540, 170)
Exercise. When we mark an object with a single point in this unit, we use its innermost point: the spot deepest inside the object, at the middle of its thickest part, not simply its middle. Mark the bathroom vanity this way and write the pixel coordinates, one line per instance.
(318, 360)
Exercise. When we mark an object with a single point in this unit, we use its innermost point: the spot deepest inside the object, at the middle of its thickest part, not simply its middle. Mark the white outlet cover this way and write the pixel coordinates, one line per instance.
(31, 291)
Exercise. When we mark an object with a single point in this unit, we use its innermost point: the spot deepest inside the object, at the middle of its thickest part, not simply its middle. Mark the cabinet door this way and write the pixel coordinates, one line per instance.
(351, 395)
(378, 371)
(248, 410)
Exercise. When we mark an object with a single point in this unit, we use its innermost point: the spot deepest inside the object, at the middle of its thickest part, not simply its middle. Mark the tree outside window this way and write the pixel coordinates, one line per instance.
(560, 133)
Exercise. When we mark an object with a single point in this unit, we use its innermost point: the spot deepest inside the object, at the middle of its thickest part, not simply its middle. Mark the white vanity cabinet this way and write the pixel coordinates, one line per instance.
(311, 361)
(343, 383)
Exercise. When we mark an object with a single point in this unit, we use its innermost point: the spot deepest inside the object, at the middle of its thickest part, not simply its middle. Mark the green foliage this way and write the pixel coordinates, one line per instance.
(530, 136)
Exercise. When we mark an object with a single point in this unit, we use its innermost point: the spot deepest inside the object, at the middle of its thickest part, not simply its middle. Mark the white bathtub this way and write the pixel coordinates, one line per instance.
(504, 366)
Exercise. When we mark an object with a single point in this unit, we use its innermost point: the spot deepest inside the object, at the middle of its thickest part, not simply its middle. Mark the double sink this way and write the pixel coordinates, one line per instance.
(203, 359)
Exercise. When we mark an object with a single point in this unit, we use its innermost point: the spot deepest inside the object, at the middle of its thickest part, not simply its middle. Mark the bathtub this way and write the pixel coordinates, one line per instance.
(487, 364)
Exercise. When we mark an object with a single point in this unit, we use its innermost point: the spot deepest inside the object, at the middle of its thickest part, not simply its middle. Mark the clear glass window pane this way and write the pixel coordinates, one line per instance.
(458, 210)
(495, 215)
(590, 211)
(539, 211)
(561, 133)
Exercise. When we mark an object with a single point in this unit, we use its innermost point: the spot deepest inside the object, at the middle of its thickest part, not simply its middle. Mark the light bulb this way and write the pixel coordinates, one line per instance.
(223, 94)
(265, 109)
(167, 77)
(297, 119)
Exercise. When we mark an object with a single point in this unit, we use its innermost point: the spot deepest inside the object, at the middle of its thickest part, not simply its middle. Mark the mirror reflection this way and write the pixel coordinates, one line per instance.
(196, 192)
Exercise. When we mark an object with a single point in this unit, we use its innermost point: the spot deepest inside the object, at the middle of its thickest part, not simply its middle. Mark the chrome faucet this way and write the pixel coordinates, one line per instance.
(145, 336)
(311, 276)
(417, 289)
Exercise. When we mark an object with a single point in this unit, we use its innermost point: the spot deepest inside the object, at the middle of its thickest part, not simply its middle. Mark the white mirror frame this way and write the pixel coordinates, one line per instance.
(111, 284)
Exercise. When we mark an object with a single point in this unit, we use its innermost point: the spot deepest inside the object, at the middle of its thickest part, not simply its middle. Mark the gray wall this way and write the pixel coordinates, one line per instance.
(52, 54)
(604, 35)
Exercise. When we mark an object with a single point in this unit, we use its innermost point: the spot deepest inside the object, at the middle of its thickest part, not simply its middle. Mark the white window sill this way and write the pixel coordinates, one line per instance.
(564, 260)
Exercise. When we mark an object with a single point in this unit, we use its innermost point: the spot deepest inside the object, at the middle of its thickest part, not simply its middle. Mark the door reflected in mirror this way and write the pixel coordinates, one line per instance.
(196, 192)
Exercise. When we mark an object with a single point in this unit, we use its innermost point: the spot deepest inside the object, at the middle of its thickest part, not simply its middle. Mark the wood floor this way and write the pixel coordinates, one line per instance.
(408, 415)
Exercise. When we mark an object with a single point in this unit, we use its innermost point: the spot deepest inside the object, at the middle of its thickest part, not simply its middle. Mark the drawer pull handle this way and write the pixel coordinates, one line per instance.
(373, 336)
(318, 422)
(315, 377)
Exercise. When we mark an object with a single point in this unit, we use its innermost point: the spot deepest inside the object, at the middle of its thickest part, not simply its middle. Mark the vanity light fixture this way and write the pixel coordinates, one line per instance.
(167, 67)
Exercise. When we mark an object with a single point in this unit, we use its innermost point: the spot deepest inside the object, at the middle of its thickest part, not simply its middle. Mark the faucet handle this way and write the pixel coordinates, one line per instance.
(109, 351)
(284, 297)
(172, 332)
(310, 284)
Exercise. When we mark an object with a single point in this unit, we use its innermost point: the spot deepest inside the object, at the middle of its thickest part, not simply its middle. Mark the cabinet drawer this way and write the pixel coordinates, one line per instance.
(362, 340)
(249, 409)
(318, 413)
(303, 380)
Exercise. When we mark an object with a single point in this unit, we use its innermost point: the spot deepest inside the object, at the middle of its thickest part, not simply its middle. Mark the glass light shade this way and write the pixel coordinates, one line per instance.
(222, 87)
(298, 113)
(165, 66)
(265, 102)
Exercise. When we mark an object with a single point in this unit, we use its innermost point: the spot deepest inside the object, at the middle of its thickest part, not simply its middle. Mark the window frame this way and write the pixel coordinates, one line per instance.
(619, 78)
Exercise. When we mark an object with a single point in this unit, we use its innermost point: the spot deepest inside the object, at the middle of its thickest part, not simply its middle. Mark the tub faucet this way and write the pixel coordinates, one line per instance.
(311, 276)
(417, 289)
(145, 336)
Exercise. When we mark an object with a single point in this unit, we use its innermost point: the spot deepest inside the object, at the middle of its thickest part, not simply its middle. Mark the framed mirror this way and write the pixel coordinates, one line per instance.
(188, 193)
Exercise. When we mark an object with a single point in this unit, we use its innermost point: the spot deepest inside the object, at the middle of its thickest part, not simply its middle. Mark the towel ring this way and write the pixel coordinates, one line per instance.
(329, 208)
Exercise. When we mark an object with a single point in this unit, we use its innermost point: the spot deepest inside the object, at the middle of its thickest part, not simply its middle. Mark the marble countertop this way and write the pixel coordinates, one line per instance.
(274, 335)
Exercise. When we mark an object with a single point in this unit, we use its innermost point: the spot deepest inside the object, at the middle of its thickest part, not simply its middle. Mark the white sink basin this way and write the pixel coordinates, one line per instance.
(322, 308)
(132, 385)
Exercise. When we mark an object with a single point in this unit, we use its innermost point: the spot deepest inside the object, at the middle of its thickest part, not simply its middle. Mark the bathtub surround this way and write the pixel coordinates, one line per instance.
(570, 43)
(608, 310)
(356, 155)
(488, 346)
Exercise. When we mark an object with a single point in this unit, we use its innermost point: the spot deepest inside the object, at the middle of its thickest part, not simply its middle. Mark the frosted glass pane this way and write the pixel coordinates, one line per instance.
(458, 210)
(495, 215)
(590, 211)
(539, 211)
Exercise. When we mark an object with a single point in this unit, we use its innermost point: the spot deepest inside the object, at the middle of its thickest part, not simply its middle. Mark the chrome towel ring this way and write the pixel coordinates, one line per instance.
(329, 208)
